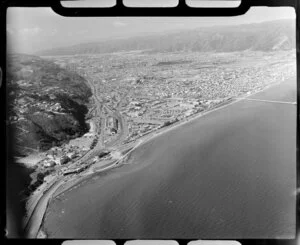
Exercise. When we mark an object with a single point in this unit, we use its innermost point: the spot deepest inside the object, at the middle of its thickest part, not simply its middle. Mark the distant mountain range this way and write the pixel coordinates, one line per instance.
(265, 36)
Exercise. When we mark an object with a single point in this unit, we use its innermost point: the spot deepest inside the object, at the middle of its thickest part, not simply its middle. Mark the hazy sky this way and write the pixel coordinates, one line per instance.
(33, 29)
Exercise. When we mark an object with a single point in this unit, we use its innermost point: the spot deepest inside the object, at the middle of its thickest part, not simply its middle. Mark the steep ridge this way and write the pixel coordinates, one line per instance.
(46, 103)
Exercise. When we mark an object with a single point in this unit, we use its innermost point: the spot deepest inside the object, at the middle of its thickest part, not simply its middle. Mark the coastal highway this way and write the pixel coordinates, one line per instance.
(230, 173)
(35, 218)
(33, 222)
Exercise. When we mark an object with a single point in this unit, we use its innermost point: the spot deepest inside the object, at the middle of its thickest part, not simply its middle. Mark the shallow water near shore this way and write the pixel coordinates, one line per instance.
(228, 174)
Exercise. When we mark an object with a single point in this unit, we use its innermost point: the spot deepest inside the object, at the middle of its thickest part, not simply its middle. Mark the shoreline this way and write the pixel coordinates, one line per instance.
(146, 138)
(41, 232)
(222, 105)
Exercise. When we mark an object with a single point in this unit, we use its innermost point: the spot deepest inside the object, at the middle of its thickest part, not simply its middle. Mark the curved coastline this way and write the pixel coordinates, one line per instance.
(151, 136)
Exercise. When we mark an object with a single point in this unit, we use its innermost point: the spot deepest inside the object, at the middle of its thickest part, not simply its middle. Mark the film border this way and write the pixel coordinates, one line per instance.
(120, 10)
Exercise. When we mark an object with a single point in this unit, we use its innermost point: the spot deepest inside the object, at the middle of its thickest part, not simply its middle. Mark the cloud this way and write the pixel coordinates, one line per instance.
(119, 23)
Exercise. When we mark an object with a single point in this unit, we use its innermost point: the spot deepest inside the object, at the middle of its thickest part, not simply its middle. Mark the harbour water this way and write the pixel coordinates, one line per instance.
(228, 174)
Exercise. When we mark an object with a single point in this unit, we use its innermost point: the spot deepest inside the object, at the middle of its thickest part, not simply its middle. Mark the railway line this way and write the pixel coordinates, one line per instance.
(35, 218)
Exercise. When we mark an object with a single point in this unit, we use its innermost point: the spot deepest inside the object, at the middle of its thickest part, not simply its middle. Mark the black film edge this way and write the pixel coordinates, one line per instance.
(182, 9)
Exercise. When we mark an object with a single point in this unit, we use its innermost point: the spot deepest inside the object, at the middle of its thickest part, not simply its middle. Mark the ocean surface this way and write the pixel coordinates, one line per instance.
(228, 174)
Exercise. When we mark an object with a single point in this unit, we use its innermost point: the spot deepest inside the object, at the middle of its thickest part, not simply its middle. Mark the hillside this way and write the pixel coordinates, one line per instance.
(46, 104)
(266, 36)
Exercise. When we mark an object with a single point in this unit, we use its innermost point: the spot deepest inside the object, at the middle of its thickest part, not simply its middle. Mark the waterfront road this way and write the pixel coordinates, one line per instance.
(35, 220)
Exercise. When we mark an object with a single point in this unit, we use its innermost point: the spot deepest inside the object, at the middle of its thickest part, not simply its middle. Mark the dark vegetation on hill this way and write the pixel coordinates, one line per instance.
(266, 36)
(46, 105)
